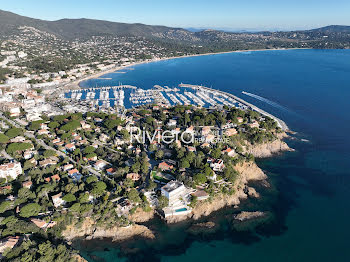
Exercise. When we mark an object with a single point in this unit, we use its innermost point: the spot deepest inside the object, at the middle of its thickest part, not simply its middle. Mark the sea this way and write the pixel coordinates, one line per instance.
(309, 199)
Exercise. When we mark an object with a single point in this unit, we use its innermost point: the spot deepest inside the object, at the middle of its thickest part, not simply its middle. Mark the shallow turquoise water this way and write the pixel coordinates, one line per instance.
(310, 90)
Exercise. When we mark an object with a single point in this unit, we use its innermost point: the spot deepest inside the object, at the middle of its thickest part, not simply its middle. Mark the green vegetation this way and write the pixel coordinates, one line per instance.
(162, 201)
(17, 147)
(4, 138)
(30, 210)
(14, 132)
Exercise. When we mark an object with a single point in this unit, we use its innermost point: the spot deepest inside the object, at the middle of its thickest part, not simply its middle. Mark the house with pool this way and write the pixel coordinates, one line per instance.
(179, 198)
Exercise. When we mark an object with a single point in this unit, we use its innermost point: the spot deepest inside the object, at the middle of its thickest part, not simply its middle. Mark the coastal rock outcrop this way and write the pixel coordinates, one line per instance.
(244, 215)
(141, 216)
(203, 228)
(88, 230)
(267, 149)
(248, 171)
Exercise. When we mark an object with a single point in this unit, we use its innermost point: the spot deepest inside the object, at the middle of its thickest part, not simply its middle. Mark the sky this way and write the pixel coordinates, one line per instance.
(216, 14)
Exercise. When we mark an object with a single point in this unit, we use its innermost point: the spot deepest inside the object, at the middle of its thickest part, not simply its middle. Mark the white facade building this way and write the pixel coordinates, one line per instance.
(12, 170)
(174, 190)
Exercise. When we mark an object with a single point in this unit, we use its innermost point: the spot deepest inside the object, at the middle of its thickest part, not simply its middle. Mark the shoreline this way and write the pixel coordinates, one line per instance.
(249, 171)
(118, 68)
(280, 122)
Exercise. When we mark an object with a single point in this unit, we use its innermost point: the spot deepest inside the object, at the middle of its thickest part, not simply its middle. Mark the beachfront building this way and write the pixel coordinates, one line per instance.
(173, 191)
(179, 198)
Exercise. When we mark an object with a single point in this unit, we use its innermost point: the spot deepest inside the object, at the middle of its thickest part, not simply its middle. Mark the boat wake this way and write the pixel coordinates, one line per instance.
(266, 101)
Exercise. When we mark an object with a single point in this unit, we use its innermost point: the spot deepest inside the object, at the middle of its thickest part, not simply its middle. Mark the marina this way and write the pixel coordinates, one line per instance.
(127, 96)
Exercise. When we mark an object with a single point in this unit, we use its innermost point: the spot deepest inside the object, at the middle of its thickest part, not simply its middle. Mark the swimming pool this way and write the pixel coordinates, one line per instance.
(181, 209)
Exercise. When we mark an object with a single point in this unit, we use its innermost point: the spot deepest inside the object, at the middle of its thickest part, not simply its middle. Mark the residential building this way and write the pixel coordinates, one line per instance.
(164, 166)
(100, 164)
(12, 170)
(230, 131)
(57, 200)
(230, 152)
(43, 224)
(27, 184)
(173, 191)
(8, 243)
(133, 176)
(217, 165)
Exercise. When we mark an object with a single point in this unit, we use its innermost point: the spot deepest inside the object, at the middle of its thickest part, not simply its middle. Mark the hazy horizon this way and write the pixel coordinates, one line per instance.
(221, 15)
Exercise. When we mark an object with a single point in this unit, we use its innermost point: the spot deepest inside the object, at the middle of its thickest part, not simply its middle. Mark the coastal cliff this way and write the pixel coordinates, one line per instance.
(88, 230)
(267, 149)
(248, 171)
(141, 216)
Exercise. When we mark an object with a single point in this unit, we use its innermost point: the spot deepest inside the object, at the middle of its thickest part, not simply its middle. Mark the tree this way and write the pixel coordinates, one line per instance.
(163, 202)
(70, 126)
(35, 125)
(91, 179)
(98, 188)
(83, 198)
(216, 153)
(151, 185)
(49, 153)
(30, 210)
(184, 163)
(24, 194)
(145, 166)
(112, 123)
(27, 165)
(152, 147)
(6, 205)
(133, 196)
(14, 132)
(149, 120)
(75, 207)
(208, 171)
(53, 125)
(230, 174)
(136, 167)
(159, 154)
(14, 147)
(76, 152)
(69, 198)
(125, 134)
(3, 138)
(128, 183)
(89, 150)
(199, 178)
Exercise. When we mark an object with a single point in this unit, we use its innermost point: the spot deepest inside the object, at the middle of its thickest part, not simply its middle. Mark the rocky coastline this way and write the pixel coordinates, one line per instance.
(249, 171)
(268, 149)
(89, 230)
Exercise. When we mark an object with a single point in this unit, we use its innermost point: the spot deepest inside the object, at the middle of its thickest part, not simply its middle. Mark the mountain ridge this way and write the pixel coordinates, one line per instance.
(68, 28)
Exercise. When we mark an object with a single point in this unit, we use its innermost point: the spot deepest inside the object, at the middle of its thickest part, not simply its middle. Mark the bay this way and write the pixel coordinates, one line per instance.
(310, 91)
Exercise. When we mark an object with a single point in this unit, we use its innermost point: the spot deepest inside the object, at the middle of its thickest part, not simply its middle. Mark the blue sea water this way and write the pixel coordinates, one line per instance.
(310, 91)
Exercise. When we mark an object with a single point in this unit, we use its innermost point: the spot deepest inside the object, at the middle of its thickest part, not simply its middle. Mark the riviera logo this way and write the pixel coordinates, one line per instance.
(170, 136)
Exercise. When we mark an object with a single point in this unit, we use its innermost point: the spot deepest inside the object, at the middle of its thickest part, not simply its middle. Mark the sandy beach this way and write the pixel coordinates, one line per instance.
(118, 68)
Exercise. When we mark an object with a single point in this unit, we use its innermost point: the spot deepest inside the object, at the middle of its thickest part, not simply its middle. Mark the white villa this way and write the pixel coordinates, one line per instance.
(179, 198)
